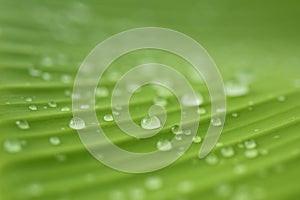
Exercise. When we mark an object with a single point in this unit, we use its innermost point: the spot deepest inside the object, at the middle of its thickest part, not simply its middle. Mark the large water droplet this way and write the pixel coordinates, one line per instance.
(236, 89)
(32, 107)
(108, 118)
(216, 121)
(54, 141)
(12, 146)
(191, 99)
(77, 123)
(150, 123)
(227, 152)
(22, 124)
(164, 145)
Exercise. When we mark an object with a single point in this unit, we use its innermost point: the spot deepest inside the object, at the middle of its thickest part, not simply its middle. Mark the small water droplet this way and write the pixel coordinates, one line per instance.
(32, 107)
(46, 76)
(227, 152)
(251, 153)
(153, 183)
(216, 121)
(197, 139)
(239, 169)
(12, 146)
(191, 99)
(150, 123)
(77, 123)
(176, 130)
(28, 99)
(108, 118)
(65, 78)
(212, 159)
(276, 137)
(164, 145)
(250, 144)
(65, 109)
(52, 104)
(102, 92)
(35, 189)
(281, 98)
(187, 132)
(201, 111)
(67, 93)
(185, 186)
(236, 89)
(178, 137)
(34, 72)
(256, 130)
(157, 100)
(235, 114)
(22, 124)
(84, 106)
(47, 61)
(54, 140)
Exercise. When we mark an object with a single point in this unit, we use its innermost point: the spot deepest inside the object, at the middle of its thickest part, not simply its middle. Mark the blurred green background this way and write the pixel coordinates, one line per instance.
(42, 44)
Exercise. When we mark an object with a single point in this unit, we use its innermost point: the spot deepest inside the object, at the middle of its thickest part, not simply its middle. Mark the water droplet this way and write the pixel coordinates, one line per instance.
(84, 106)
(256, 130)
(212, 159)
(176, 130)
(239, 169)
(115, 113)
(67, 93)
(65, 109)
(47, 61)
(46, 76)
(153, 183)
(32, 107)
(160, 101)
(35, 189)
(281, 98)
(250, 144)
(102, 92)
(117, 195)
(164, 145)
(178, 137)
(77, 123)
(251, 153)
(28, 99)
(12, 146)
(192, 100)
(54, 140)
(201, 111)
(236, 89)
(65, 78)
(187, 132)
(108, 118)
(137, 194)
(197, 139)
(276, 137)
(216, 121)
(227, 152)
(34, 72)
(219, 144)
(52, 104)
(22, 124)
(185, 186)
(150, 123)
(235, 114)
